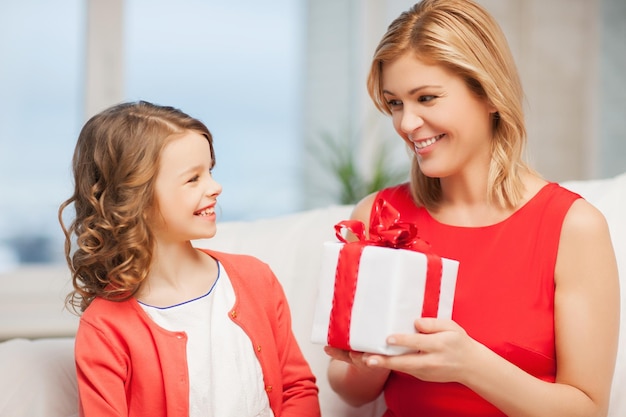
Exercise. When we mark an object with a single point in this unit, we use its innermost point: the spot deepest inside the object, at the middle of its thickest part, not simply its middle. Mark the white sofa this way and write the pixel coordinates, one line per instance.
(36, 365)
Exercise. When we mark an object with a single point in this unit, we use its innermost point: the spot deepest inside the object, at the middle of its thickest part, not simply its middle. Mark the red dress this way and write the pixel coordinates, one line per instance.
(504, 296)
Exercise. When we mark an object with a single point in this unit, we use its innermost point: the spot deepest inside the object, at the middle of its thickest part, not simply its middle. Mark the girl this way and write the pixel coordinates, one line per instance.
(534, 328)
(168, 329)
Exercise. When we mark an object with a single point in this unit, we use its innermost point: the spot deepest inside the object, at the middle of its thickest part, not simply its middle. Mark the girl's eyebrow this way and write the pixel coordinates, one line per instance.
(190, 170)
(414, 90)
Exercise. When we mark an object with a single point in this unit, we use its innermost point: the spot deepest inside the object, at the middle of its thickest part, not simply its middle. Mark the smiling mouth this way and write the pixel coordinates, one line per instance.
(427, 142)
(205, 212)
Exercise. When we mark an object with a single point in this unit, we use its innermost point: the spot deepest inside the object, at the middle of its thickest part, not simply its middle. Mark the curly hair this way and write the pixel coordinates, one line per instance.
(115, 163)
(462, 37)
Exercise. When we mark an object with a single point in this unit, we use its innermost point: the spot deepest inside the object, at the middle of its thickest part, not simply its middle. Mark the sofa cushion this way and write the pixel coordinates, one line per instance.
(38, 378)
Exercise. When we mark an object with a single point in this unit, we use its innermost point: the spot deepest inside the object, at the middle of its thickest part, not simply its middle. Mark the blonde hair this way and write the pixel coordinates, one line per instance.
(115, 163)
(462, 37)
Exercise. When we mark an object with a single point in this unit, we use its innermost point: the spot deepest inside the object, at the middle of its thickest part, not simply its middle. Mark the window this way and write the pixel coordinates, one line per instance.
(234, 65)
(40, 115)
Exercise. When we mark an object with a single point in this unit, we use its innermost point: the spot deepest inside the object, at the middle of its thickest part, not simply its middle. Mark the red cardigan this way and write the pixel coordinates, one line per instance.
(129, 366)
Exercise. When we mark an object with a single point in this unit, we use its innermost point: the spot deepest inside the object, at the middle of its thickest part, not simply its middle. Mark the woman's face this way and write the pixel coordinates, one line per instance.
(447, 125)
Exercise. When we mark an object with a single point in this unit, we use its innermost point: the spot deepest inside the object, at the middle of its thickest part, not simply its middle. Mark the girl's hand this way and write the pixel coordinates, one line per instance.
(440, 352)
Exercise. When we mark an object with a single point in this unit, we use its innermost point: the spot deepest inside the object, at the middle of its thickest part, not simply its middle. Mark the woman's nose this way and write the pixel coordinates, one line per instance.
(410, 121)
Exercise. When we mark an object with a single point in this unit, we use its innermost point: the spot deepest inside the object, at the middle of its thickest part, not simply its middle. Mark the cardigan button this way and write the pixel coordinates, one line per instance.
(268, 388)
(258, 348)
(233, 314)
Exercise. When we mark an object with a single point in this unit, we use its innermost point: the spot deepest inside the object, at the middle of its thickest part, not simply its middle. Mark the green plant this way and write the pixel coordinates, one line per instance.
(339, 157)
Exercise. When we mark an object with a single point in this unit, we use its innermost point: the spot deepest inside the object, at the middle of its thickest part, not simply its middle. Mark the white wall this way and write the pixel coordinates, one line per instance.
(104, 51)
(561, 47)
(556, 47)
(613, 88)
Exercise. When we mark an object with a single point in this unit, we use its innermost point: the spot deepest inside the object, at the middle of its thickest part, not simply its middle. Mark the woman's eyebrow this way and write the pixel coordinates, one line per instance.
(414, 90)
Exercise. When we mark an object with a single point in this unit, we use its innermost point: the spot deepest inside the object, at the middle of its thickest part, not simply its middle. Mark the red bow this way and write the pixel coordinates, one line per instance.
(386, 230)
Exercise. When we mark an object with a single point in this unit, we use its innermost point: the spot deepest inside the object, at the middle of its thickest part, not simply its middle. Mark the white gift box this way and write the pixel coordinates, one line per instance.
(389, 296)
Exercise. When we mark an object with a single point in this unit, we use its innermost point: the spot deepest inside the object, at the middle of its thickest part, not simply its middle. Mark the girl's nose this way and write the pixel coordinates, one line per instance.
(214, 188)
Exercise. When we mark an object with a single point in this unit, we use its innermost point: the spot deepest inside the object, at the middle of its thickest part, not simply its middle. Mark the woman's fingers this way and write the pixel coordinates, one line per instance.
(348, 356)
(436, 351)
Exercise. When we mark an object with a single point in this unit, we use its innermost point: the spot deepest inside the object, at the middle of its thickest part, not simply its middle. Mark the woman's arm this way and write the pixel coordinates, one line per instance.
(348, 375)
(586, 326)
(587, 306)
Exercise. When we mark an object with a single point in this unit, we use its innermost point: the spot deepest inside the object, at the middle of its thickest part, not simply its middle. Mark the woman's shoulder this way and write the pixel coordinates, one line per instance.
(578, 221)
(586, 254)
(546, 197)
(583, 219)
(396, 195)
(363, 208)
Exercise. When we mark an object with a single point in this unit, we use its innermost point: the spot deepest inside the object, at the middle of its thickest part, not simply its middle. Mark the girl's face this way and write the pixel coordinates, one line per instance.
(433, 110)
(185, 191)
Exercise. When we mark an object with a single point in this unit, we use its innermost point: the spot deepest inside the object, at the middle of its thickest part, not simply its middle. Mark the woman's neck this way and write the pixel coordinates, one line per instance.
(465, 200)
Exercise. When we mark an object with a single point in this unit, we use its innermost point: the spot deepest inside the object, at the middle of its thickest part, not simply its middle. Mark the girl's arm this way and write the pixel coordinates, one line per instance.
(100, 372)
(299, 389)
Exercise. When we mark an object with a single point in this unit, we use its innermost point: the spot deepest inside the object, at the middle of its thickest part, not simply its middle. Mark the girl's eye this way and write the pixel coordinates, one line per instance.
(195, 178)
(426, 99)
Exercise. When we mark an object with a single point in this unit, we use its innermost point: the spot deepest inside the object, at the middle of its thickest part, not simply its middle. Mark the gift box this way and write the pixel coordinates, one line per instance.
(372, 288)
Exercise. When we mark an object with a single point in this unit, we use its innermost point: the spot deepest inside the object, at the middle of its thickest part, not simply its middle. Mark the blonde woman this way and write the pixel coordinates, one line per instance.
(534, 328)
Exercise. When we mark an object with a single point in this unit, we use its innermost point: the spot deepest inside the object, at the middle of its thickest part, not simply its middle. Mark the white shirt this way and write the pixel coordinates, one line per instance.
(225, 377)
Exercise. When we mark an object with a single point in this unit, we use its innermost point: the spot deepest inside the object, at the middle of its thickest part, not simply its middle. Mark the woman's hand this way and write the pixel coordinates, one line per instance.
(440, 352)
(351, 378)
(348, 356)
(357, 361)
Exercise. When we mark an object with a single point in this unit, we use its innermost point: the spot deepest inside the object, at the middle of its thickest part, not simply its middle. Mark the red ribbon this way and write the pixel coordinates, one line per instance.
(386, 230)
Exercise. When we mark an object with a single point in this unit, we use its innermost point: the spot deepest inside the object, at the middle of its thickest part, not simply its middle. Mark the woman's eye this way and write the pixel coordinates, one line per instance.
(426, 99)
(394, 103)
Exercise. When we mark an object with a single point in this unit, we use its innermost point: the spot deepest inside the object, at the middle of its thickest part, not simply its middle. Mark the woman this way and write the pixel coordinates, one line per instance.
(534, 328)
